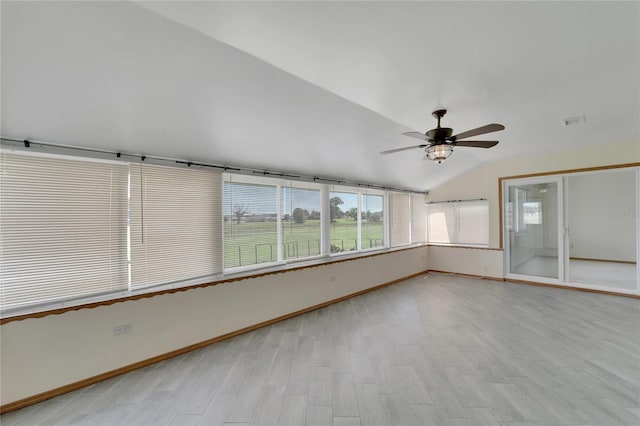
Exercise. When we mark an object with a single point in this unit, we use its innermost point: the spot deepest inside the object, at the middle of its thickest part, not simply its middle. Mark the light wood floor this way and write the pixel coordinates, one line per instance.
(434, 350)
(604, 274)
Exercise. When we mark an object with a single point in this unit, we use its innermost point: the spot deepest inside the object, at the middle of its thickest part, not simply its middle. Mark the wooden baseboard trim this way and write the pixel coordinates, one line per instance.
(459, 274)
(25, 402)
(628, 262)
(566, 287)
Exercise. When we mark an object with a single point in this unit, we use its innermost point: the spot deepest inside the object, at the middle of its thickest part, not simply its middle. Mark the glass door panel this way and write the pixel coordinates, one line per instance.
(602, 226)
(532, 219)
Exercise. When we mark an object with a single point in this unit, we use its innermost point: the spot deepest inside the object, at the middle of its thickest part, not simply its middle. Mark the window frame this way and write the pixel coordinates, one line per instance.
(359, 191)
(279, 184)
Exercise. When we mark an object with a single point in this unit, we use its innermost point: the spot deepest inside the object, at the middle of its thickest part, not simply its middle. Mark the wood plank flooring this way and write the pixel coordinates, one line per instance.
(617, 276)
(433, 350)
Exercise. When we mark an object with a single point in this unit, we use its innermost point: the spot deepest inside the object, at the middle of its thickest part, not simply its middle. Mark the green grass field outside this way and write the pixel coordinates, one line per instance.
(249, 243)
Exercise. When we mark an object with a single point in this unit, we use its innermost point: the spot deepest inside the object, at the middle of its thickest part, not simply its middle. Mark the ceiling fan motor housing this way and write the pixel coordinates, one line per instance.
(440, 134)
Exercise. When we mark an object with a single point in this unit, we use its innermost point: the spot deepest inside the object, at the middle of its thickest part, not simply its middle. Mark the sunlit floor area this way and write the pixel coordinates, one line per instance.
(434, 350)
(609, 274)
(604, 274)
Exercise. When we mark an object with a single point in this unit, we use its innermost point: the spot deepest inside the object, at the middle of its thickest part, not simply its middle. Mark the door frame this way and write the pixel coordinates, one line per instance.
(561, 229)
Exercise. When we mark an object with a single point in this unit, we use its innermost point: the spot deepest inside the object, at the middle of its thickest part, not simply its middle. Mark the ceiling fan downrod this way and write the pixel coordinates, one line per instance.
(439, 114)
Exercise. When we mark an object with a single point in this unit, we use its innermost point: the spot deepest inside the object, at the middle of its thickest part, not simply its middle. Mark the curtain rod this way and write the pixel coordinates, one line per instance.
(29, 143)
(456, 201)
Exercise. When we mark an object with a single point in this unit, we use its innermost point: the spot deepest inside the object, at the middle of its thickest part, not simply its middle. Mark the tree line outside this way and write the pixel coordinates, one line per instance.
(252, 238)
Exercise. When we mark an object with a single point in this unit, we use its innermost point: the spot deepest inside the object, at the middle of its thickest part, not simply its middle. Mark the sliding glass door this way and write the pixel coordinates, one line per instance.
(534, 228)
(577, 229)
(601, 220)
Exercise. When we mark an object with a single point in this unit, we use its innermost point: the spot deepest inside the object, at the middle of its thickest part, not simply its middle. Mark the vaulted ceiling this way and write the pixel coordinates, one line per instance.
(320, 88)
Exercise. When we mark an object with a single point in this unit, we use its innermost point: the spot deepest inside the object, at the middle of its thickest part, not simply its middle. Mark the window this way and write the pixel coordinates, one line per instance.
(532, 213)
(343, 215)
(301, 222)
(372, 221)
(464, 223)
(400, 221)
(250, 223)
(64, 229)
(175, 224)
(356, 219)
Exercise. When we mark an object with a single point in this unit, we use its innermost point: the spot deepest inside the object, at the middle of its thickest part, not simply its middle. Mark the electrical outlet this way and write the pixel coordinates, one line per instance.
(332, 278)
(121, 329)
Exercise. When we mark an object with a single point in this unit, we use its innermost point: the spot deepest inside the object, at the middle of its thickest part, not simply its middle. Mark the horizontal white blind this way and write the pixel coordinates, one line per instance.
(63, 229)
(250, 223)
(473, 219)
(176, 224)
(418, 219)
(442, 223)
(465, 223)
(400, 216)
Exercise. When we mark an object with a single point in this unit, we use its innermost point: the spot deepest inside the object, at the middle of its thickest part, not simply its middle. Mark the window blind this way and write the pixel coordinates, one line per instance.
(175, 224)
(250, 223)
(459, 223)
(473, 219)
(399, 225)
(418, 219)
(442, 223)
(63, 226)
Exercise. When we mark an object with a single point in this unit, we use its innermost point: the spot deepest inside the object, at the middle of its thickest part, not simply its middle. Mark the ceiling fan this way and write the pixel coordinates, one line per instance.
(440, 143)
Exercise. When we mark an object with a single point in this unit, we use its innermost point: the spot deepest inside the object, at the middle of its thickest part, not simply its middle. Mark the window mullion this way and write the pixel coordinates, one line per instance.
(279, 239)
(325, 221)
(387, 220)
(359, 224)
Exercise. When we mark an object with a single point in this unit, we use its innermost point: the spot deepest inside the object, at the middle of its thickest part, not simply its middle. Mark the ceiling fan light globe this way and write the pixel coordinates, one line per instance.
(439, 153)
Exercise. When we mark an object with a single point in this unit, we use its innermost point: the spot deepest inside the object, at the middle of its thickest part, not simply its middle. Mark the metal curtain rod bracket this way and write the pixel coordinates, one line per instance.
(456, 201)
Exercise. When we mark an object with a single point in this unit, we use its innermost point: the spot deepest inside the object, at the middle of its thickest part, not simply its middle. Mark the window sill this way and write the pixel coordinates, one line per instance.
(466, 246)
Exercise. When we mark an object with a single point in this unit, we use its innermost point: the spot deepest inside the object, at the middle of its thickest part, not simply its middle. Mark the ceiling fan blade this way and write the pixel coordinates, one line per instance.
(479, 131)
(417, 135)
(477, 144)
(391, 151)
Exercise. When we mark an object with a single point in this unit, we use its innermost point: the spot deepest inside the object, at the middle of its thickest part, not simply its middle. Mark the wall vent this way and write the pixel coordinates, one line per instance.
(572, 121)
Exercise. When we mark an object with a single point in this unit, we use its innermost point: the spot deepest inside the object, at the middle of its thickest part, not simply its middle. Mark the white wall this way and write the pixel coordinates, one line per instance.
(466, 260)
(601, 220)
(40, 354)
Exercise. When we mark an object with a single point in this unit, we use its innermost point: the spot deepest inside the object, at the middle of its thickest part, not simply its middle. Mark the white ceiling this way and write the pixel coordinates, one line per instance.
(320, 88)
